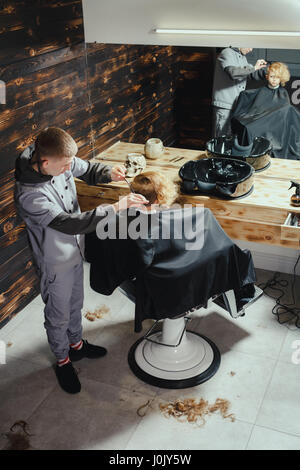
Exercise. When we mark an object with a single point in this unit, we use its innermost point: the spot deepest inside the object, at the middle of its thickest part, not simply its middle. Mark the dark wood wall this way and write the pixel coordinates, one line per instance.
(194, 80)
(131, 92)
(138, 92)
(99, 93)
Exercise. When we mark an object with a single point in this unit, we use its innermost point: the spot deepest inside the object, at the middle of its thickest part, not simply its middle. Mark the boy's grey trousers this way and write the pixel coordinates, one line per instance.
(62, 293)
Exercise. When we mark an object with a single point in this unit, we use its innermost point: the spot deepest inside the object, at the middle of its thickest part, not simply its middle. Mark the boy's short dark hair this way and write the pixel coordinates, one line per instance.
(55, 142)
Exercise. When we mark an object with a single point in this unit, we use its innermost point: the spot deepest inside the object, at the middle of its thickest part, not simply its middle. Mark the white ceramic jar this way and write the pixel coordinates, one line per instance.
(154, 148)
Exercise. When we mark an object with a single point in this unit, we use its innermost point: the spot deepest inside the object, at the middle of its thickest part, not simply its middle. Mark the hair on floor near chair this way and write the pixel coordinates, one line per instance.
(192, 411)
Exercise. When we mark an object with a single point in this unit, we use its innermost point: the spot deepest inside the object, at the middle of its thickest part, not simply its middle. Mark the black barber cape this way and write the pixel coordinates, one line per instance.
(171, 278)
(266, 112)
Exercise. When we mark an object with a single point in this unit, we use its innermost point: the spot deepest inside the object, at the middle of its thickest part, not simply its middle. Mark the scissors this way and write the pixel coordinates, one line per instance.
(129, 185)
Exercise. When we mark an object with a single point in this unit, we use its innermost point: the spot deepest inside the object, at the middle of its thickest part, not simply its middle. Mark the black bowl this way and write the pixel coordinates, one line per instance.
(219, 176)
(259, 158)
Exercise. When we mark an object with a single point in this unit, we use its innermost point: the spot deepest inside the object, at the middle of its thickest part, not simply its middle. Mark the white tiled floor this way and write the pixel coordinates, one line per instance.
(264, 390)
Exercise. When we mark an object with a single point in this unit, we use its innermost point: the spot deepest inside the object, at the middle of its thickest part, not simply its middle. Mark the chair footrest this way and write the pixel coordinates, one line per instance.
(222, 302)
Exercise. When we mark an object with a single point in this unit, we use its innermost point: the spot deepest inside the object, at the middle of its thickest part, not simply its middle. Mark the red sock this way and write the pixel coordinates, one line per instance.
(77, 346)
(63, 362)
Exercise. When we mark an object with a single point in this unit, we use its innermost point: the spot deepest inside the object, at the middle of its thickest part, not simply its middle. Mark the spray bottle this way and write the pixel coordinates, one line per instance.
(295, 198)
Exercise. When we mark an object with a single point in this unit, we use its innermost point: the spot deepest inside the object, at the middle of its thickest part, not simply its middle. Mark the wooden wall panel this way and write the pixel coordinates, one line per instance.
(30, 28)
(129, 87)
(193, 96)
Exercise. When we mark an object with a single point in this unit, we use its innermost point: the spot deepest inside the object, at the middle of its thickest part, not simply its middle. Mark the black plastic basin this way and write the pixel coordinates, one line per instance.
(259, 158)
(219, 176)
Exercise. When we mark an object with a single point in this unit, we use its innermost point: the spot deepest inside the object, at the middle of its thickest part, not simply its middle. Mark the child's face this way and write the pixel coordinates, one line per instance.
(273, 79)
(245, 50)
(57, 166)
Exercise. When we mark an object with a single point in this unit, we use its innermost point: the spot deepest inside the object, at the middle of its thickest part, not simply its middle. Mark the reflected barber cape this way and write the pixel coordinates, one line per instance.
(266, 112)
(179, 262)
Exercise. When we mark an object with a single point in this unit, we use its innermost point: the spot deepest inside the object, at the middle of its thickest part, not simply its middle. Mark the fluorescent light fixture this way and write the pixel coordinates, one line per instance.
(208, 32)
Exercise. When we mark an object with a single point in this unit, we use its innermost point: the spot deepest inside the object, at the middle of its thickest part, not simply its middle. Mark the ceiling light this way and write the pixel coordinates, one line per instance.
(226, 32)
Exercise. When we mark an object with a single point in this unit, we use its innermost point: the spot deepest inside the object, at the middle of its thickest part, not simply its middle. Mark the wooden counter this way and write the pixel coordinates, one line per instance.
(260, 217)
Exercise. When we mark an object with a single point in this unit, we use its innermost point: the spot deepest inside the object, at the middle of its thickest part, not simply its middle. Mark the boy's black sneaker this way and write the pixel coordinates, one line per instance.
(88, 350)
(67, 378)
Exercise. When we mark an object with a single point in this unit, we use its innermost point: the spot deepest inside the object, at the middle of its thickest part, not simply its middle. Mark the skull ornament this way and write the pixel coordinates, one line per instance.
(135, 164)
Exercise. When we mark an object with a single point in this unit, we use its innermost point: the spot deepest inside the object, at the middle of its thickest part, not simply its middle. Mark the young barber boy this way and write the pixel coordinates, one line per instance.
(46, 199)
(230, 78)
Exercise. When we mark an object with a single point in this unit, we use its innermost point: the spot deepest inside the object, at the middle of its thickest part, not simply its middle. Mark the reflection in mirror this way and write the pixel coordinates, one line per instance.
(256, 93)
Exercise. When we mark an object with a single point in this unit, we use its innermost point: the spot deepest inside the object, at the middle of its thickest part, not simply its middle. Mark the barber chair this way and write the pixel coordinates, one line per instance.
(172, 356)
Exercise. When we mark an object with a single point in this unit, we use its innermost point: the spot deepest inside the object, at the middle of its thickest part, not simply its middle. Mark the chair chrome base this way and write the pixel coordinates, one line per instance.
(192, 362)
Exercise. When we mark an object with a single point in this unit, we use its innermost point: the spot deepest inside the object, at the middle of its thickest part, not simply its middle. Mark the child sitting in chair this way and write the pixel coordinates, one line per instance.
(262, 112)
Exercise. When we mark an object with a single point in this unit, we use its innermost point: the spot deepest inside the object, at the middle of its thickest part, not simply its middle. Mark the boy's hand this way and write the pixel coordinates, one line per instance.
(132, 200)
(260, 64)
(118, 173)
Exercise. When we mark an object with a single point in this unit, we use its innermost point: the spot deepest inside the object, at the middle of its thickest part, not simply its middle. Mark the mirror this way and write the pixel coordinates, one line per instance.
(269, 107)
